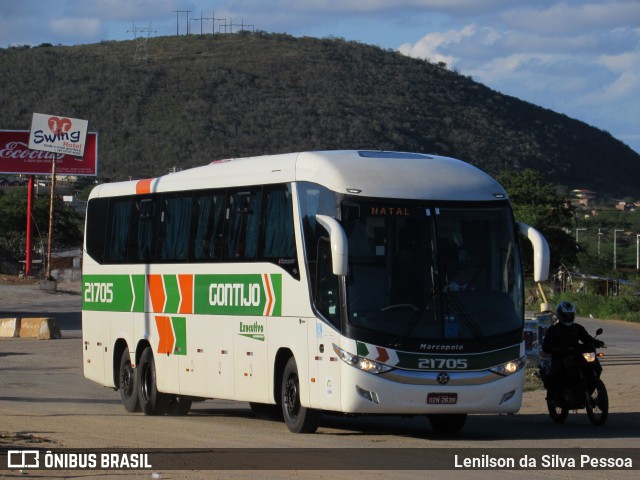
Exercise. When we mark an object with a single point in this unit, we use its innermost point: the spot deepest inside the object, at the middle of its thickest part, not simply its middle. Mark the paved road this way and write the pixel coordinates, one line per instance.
(45, 402)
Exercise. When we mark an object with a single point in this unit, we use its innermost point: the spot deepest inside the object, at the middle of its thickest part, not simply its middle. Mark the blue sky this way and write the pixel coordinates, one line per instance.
(577, 57)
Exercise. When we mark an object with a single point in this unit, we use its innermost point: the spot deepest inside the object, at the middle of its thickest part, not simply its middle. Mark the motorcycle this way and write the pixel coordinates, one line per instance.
(583, 387)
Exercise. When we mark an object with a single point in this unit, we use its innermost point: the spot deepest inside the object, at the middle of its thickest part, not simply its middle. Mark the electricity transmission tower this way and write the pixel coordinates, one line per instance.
(141, 36)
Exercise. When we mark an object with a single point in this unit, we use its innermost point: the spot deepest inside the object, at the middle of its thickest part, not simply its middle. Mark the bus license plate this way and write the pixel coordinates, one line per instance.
(442, 398)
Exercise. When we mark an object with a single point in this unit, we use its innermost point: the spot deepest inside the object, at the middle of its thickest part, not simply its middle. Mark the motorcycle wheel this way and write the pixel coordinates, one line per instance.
(557, 412)
(598, 404)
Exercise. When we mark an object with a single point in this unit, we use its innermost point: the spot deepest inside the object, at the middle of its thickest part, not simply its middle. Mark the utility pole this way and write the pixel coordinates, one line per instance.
(213, 21)
(599, 236)
(615, 246)
(178, 12)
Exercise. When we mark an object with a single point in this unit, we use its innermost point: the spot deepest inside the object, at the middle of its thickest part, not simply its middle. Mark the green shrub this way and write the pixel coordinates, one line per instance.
(623, 307)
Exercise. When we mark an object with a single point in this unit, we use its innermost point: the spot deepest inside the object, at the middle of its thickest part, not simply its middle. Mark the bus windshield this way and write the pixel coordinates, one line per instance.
(419, 272)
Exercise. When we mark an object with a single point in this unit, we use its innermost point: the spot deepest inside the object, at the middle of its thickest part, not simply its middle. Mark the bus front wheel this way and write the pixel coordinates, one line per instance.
(152, 402)
(299, 419)
(128, 384)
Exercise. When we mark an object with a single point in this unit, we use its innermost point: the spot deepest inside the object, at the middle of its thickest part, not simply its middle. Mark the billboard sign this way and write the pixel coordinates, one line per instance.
(17, 158)
(62, 135)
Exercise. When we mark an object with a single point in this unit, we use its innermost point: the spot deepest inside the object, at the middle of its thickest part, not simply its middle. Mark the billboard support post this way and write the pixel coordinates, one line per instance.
(50, 236)
(27, 264)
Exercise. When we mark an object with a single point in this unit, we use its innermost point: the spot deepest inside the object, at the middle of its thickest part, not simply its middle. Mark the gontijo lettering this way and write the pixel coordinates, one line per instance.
(238, 294)
(234, 294)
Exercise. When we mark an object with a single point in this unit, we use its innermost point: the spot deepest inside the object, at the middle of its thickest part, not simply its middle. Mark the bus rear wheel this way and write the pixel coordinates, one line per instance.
(299, 419)
(128, 384)
(152, 402)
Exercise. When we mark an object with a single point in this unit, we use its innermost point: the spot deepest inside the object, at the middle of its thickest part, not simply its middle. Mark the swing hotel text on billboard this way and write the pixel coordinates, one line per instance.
(17, 159)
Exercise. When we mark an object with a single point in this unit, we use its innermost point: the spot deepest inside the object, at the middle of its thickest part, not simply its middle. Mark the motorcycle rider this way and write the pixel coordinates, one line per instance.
(561, 339)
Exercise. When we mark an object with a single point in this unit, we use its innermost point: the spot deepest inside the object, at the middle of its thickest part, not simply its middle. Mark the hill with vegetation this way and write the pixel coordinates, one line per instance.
(203, 97)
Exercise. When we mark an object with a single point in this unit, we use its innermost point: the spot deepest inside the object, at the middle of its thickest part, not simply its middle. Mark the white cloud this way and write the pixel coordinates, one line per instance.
(566, 18)
(427, 47)
(579, 59)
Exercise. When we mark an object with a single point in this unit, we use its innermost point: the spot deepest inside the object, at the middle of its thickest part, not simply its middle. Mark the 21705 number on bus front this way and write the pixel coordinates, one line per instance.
(442, 363)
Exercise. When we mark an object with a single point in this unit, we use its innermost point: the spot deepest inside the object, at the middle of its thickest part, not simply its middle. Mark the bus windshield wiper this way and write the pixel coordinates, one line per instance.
(454, 301)
(413, 322)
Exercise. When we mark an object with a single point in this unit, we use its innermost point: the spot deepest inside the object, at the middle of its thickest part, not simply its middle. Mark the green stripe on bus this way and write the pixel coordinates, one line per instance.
(228, 294)
(180, 331)
(139, 283)
(238, 294)
(173, 293)
(115, 293)
(443, 361)
(474, 361)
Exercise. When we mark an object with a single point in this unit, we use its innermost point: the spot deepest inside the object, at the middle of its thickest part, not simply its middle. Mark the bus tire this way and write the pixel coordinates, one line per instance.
(448, 423)
(298, 419)
(127, 384)
(152, 402)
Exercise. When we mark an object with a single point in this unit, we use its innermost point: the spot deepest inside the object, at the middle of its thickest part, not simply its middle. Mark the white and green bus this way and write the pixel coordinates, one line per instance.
(361, 282)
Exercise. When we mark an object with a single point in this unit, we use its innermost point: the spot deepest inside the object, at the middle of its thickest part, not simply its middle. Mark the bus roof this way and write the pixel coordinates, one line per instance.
(370, 173)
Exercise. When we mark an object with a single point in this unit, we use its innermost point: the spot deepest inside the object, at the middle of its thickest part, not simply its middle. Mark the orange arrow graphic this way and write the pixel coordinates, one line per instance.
(165, 332)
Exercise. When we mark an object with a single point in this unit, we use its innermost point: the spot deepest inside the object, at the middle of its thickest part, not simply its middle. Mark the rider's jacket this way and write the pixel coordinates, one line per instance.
(560, 339)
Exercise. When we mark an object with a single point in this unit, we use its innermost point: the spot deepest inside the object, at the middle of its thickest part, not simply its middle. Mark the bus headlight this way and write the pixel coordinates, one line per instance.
(361, 363)
(509, 368)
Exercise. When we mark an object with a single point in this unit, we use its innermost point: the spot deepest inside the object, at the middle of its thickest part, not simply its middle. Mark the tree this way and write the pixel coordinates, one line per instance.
(67, 231)
(537, 203)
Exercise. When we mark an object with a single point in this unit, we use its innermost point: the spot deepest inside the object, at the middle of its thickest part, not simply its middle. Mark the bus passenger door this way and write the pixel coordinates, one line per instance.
(328, 366)
(327, 302)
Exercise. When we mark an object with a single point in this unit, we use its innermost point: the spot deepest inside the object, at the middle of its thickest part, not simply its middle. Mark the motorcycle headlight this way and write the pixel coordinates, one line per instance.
(589, 356)
(361, 363)
(509, 368)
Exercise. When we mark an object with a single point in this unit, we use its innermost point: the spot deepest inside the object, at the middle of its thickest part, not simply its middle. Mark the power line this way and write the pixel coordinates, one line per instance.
(222, 23)
(178, 12)
(213, 21)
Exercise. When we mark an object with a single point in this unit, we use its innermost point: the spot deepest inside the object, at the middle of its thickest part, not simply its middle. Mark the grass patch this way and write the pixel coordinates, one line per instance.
(623, 307)
(531, 381)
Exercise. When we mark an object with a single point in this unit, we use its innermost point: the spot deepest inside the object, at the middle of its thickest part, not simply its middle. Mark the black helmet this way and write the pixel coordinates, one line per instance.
(566, 313)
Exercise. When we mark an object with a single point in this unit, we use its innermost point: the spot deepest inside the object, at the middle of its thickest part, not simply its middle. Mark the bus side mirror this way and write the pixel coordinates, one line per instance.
(541, 254)
(339, 246)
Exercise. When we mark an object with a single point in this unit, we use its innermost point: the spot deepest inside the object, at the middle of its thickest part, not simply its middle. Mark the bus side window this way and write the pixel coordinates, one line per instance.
(243, 221)
(207, 243)
(118, 231)
(146, 231)
(96, 230)
(175, 227)
(278, 243)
